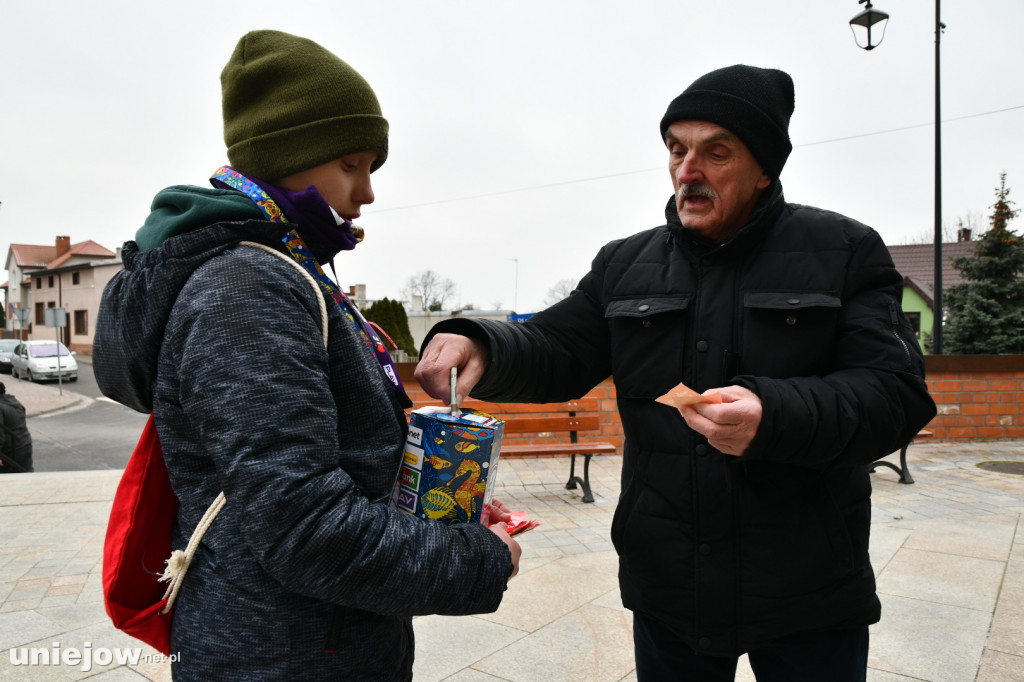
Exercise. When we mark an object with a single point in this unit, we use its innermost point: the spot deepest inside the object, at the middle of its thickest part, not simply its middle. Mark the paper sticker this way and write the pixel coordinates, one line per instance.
(414, 456)
(410, 478)
(405, 500)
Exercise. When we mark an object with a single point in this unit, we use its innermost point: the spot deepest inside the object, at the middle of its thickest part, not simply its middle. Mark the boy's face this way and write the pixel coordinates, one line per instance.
(344, 183)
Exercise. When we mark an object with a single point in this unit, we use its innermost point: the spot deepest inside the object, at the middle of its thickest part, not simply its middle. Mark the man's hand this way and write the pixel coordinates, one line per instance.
(444, 352)
(730, 426)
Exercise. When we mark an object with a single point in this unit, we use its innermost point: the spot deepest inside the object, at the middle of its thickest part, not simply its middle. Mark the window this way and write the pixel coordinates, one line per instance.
(75, 278)
(51, 281)
(40, 315)
(81, 322)
(915, 322)
(39, 282)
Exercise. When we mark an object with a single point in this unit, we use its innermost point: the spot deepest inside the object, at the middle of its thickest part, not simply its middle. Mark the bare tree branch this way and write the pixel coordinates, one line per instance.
(433, 290)
(560, 290)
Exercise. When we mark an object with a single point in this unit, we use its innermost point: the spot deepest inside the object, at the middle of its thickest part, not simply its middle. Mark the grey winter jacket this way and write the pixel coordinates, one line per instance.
(801, 306)
(307, 573)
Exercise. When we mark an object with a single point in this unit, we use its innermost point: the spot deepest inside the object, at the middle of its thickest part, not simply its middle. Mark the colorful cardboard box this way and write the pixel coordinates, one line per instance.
(450, 465)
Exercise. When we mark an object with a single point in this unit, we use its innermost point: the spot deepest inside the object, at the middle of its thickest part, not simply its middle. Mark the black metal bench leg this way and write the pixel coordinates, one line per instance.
(902, 470)
(905, 476)
(587, 495)
(584, 482)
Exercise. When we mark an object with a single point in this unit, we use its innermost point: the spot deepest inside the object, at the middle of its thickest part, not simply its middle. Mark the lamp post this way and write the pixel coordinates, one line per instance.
(515, 302)
(865, 21)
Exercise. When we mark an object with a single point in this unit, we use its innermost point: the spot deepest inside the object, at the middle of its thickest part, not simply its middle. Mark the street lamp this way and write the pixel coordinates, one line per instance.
(862, 23)
(866, 19)
(515, 303)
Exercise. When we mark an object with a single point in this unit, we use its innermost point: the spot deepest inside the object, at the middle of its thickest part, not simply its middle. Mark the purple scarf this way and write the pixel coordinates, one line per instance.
(313, 218)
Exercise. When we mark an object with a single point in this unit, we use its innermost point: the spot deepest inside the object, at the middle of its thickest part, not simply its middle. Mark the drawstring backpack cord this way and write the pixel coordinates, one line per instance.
(177, 565)
(179, 561)
(383, 333)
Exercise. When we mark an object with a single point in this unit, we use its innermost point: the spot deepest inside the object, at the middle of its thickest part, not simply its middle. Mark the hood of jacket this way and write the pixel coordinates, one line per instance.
(188, 226)
(184, 208)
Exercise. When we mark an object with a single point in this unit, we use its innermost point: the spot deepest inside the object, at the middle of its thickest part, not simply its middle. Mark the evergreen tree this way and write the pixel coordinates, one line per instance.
(986, 313)
(390, 316)
(406, 342)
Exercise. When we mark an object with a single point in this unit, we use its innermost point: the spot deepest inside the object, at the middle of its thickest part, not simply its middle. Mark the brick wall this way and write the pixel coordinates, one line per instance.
(978, 397)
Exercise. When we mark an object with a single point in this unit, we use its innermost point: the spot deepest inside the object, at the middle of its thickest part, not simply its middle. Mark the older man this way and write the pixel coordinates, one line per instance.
(15, 440)
(741, 526)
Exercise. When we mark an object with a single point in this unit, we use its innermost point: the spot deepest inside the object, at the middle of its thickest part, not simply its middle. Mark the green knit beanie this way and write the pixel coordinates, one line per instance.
(290, 105)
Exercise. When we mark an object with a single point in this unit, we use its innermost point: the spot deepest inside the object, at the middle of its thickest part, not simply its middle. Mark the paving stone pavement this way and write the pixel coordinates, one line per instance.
(948, 552)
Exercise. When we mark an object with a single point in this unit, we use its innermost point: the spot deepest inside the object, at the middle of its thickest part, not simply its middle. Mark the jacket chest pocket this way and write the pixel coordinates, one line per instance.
(647, 342)
(788, 334)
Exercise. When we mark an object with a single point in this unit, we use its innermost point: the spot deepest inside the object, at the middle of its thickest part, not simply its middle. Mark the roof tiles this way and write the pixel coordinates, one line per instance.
(916, 262)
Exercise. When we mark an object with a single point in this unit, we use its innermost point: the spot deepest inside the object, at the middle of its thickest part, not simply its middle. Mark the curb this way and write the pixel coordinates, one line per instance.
(78, 401)
(42, 399)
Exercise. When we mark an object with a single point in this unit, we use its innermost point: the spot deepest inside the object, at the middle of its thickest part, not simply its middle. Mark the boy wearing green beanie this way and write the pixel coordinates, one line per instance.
(306, 573)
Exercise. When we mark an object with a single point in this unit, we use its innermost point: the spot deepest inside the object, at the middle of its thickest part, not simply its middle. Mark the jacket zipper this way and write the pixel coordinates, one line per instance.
(895, 319)
(691, 334)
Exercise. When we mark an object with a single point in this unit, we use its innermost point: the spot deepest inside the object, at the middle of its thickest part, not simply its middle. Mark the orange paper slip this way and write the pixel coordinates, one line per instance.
(684, 395)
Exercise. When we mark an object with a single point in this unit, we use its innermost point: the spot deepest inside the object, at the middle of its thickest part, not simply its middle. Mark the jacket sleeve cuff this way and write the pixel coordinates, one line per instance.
(468, 328)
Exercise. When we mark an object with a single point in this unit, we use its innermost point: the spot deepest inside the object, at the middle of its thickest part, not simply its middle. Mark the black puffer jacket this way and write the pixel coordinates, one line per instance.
(15, 440)
(801, 306)
(306, 574)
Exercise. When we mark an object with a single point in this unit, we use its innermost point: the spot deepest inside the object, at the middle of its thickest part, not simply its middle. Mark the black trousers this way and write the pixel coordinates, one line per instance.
(831, 656)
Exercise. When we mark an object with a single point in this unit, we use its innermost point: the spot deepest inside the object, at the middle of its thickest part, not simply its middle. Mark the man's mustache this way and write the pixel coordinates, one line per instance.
(695, 190)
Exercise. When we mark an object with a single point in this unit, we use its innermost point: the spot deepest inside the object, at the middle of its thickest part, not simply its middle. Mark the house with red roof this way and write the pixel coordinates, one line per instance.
(916, 262)
(64, 275)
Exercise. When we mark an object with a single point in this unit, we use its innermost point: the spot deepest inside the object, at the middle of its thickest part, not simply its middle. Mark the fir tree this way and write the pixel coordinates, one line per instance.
(986, 313)
(390, 316)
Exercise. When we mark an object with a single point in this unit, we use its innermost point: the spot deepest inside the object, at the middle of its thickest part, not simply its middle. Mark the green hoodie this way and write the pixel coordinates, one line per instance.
(184, 208)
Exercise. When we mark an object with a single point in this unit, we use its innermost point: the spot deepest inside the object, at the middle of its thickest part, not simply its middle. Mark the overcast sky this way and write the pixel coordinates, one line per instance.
(524, 135)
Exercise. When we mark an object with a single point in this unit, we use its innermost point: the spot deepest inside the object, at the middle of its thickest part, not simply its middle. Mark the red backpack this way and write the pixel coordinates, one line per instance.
(138, 558)
(138, 543)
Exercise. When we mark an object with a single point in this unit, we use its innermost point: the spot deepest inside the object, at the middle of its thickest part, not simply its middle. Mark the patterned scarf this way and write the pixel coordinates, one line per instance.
(304, 256)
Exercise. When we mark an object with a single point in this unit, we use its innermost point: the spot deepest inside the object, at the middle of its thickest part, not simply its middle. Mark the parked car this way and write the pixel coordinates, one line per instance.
(7, 347)
(38, 360)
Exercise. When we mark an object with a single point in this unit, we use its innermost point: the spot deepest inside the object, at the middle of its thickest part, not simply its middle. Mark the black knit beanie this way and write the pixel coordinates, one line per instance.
(753, 104)
(290, 105)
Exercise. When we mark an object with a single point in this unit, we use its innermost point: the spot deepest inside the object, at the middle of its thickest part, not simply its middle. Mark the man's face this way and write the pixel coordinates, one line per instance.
(716, 178)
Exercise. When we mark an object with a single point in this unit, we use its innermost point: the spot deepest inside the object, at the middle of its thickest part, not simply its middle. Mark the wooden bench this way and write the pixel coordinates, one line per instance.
(546, 425)
(902, 469)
